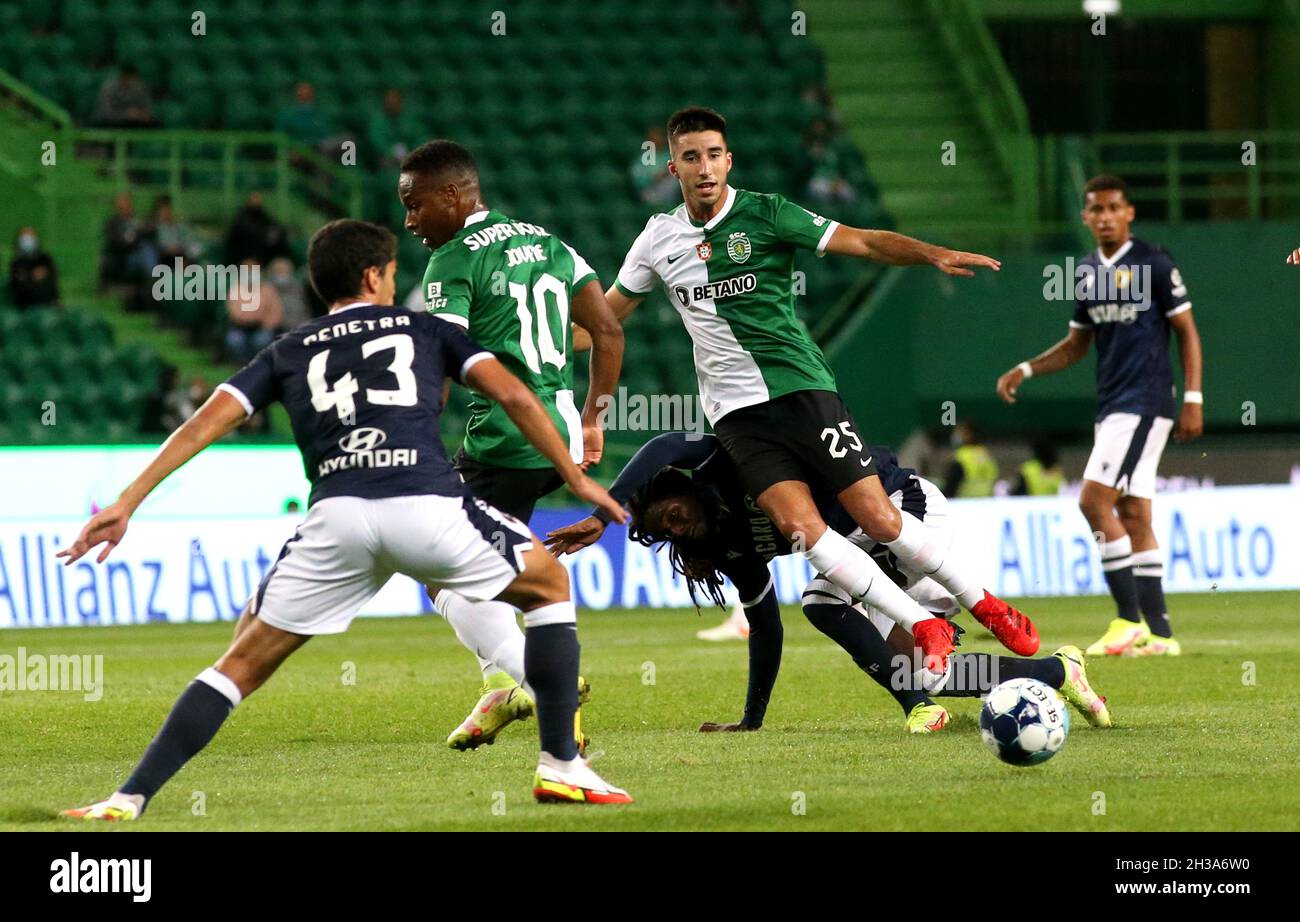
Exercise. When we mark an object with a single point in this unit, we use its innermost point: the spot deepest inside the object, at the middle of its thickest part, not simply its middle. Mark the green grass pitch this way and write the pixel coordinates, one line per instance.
(1195, 747)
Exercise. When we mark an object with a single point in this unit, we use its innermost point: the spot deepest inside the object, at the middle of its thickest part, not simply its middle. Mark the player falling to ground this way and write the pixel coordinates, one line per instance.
(725, 259)
(1129, 295)
(685, 493)
(363, 388)
(514, 287)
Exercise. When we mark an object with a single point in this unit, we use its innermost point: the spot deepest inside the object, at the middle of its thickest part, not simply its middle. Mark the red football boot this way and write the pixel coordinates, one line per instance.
(1012, 628)
(934, 637)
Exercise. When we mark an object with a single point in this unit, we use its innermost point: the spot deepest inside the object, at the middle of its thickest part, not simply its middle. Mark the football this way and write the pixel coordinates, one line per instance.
(1024, 722)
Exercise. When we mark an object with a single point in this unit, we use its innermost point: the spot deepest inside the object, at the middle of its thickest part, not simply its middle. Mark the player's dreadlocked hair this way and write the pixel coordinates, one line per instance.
(441, 157)
(688, 557)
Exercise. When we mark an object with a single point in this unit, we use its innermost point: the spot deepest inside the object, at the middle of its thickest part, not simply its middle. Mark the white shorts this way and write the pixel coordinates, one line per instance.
(348, 548)
(1126, 452)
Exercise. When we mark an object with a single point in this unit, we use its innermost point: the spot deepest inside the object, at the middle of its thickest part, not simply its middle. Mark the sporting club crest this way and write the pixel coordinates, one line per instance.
(739, 247)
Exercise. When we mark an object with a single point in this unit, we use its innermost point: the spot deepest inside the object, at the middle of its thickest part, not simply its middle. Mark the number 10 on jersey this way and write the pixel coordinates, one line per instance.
(540, 347)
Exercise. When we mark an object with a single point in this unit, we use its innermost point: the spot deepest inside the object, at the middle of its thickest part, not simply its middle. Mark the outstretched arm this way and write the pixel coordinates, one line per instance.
(685, 450)
(676, 449)
(220, 414)
(620, 303)
(766, 640)
(1061, 356)
(492, 379)
(897, 250)
(593, 314)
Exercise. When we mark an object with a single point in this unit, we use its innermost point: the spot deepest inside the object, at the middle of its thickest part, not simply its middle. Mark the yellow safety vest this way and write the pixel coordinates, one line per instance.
(979, 470)
(1039, 480)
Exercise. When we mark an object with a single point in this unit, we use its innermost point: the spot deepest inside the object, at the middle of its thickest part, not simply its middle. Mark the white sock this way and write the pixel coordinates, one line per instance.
(546, 760)
(118, 799)
(1117, 554)
(916, 548)
(1148, 563)
(489, 630)
(852, 569)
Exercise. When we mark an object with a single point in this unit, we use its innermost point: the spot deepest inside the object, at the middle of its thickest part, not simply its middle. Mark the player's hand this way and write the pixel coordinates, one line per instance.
(1191, 422)
(954, 262)
(738, 727)
(1009, 383)
(574, 537)
(106, 526)
(593, 445)
(1294, 258)
(588, 490)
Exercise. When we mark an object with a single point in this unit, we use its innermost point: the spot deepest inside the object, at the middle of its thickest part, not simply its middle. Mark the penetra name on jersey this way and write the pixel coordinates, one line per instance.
(363, 388)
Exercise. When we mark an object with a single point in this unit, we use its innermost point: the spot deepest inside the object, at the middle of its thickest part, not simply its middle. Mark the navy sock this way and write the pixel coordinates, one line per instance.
(195, 718)
(873, 655)
(551, 665)
(1149, 574)
(974, 674)
(1117, 567)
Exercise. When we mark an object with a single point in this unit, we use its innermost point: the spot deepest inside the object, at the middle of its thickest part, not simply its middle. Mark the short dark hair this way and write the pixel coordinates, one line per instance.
(1106, 183)
(696, 118)
(441, 157)
(340, 253)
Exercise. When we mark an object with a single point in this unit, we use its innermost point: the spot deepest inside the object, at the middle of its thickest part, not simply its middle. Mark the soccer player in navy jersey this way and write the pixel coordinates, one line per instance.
(363, 387)
(684, 492)
(1129, 295)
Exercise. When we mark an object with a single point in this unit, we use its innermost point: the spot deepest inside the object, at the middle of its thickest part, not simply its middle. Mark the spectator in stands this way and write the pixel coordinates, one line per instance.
(124, 101)
(170, 404)
(829, 179)
(255, 235)
(1041, 475)
(972, 472)
(129, 255)
(171, 237)
(303, 121)
(293, 295)
(199, 390)
(33, 279)
(252, 321)
(392, 133)
(653, 183)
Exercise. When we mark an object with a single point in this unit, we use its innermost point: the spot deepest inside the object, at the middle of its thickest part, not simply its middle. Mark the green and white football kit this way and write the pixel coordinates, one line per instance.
(509, 284)
(766, 388)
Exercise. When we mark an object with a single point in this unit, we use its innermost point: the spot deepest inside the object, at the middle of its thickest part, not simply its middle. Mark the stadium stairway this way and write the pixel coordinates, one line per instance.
(908, 76)
(67, 199)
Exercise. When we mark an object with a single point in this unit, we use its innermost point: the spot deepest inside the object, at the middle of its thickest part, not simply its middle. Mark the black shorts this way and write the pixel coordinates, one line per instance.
(808, 436)
(513, 490)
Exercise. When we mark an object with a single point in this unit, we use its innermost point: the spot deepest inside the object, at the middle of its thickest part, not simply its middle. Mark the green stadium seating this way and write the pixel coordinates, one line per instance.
(67, 357)
(556, 112)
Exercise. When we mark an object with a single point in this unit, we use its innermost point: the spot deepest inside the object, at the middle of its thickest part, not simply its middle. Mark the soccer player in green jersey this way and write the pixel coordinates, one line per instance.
(515, 288)
(725, 259)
